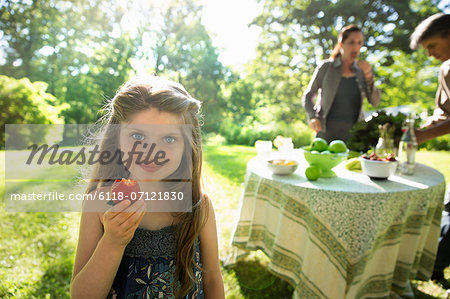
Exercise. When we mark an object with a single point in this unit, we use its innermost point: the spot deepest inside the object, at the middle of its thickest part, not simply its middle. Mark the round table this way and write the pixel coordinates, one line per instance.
(343, 237)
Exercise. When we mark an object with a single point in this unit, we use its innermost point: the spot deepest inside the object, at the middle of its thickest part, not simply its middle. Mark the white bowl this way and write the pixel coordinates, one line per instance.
(378, 169)
(277, 166)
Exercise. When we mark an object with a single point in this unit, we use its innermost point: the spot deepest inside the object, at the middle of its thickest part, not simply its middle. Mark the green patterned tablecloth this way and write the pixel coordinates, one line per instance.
(344, 237)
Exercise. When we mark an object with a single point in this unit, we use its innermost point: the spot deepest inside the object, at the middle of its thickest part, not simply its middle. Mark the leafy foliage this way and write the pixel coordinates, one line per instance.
(299, 33)
(317, 23)
(364, 134)
(72, 46)
(441, 143)
(411, 79)
(84, 51)
(23, 102)
(247, 135)
(183, 51)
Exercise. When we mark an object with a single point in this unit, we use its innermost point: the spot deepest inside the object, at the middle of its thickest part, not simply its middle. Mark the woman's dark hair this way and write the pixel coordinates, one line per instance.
(436, 25)
(343, 35)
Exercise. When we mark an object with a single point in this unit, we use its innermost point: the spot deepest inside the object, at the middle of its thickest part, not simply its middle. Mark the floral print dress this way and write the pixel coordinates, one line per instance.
(148, 266)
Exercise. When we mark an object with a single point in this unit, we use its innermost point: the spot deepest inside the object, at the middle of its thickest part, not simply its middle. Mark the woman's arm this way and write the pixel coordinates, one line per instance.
(311, 91)
(100, 248)
(310, 95)
(374, 94)
(212, 277)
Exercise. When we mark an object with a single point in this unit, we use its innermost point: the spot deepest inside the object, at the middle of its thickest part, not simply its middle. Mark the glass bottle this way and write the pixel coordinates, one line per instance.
(408, 147)
(385, 143)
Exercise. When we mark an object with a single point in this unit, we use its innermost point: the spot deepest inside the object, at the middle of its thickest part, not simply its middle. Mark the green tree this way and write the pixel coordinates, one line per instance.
(241, 101)
(24, 102)
(411, 79)
(297, 35)
(182, 50)
(314, 25)
(73, 46)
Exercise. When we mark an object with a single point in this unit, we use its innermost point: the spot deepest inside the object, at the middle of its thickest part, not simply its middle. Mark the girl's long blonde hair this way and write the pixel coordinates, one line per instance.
(140, 94)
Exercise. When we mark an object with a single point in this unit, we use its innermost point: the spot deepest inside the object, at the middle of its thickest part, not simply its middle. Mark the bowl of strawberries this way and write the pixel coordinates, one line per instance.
(377, 167)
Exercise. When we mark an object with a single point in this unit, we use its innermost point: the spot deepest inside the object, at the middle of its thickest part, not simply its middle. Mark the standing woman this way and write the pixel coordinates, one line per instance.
(341, 83)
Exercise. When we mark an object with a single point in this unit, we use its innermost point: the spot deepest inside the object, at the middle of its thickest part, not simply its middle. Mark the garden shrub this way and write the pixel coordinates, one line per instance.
(234, 133)
(24, 102)
(364, 134)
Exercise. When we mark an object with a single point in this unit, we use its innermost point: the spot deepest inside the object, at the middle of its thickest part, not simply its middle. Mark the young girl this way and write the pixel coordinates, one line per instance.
(131, 252)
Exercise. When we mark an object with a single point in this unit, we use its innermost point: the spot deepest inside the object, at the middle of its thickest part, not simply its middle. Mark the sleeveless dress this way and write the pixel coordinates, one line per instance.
(148, 266)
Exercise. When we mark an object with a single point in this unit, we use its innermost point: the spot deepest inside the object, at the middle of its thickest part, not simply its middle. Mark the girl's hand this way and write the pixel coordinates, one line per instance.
(121, 221)
(367, 69)
(315, 124)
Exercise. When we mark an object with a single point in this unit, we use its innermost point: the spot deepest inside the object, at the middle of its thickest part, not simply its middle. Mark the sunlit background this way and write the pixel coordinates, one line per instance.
(229, 23)
(248, 61)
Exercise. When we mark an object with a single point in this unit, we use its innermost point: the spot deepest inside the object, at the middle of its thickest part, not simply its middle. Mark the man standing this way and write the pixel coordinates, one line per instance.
(434, 35)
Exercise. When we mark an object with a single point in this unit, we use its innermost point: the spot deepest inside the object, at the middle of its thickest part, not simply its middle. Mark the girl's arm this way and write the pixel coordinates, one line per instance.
(212, 277)
(100, 248)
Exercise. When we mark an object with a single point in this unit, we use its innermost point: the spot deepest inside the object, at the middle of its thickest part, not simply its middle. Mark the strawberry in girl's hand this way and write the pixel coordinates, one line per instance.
(123, 189)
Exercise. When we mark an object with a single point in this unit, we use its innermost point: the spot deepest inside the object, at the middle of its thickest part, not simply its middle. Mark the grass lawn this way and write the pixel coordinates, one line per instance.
(37, 249)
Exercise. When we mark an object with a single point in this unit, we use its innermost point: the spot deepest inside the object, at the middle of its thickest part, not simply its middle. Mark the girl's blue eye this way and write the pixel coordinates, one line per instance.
(138, 136)
(169, 139)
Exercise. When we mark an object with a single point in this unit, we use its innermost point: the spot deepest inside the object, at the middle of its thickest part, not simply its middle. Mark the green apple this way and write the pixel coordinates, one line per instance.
(312, 173)
(319, 144)
(337, 146)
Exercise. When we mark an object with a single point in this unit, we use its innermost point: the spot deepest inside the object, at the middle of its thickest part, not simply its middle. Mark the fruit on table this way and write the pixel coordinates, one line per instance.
(391, 157)
(312, 173)
(319, 144)
(375, 157)
(353, 164)
(124, 188)
(319, 155)
(278, 141)
(283, 162)
(337, 146)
